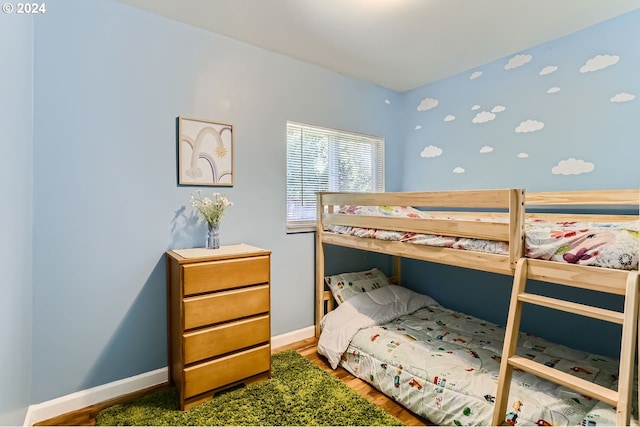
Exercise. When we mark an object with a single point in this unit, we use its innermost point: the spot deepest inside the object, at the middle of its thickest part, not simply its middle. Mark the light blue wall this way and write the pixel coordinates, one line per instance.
(580, 122)
(16, 215)
(110, 81)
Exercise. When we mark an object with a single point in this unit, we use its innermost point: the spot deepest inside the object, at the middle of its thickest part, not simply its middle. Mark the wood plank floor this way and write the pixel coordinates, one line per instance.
(307, 348)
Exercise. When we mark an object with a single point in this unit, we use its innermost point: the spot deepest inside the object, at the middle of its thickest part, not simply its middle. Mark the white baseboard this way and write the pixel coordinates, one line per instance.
(293, 336)
(82, 399)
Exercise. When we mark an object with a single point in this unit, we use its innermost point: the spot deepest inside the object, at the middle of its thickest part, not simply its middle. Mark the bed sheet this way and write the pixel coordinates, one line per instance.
(443, 365)
(601, 244)
(612, 245)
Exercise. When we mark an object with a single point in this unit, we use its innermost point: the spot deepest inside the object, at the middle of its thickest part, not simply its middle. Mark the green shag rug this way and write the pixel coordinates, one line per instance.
(298, 394)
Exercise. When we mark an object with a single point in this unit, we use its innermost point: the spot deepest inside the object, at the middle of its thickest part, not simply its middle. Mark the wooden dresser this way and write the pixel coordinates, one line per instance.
(218, 319)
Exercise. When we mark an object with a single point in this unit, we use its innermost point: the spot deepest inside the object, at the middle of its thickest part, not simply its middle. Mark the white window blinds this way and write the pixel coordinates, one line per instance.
(321, 159)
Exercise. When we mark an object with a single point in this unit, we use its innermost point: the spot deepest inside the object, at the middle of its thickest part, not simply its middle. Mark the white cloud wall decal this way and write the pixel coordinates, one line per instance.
(458, 170)
(548, 70)
(386, 101)
(475, 107)
(599, 62)
(529, 126)
(449, 118)
(622, 97)
(517, 61)
(418, 127)
(475, 75)
(572, 166)
(483, 117)
(553, 90)
(431, 151)
(428, 104)
(486, 149)
(498, 109)
(522, 155)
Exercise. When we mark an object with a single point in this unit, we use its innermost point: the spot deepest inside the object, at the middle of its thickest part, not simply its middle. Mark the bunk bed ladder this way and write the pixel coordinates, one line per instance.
(599, 279)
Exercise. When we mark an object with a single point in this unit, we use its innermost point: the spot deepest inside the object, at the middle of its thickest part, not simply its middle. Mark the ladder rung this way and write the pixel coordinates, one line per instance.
(567, 380)
(572, 307)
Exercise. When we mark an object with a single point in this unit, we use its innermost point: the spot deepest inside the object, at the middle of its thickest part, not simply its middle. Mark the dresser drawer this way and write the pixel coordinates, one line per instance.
(225, 338)
(226, 370)
(219, 307)
(224, 274)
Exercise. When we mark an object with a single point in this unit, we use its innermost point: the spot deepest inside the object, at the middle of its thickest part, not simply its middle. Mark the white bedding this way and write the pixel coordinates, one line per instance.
(600, 244)
(363, 310)
(443, 365)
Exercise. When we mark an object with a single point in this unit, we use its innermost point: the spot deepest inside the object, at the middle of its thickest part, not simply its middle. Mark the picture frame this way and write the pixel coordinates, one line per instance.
(205, 152)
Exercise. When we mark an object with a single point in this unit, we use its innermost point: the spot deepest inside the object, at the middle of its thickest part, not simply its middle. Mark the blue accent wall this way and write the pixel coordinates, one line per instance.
(16, 215)
(559, 116)
(89, 103)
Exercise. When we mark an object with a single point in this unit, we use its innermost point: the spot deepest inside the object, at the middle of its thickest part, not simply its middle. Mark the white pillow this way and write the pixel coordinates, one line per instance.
(346, 285)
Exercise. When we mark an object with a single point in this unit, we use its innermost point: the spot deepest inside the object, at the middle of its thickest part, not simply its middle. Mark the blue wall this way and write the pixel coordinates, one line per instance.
(578, 98)
(468, 131)
(110, 81)
(16, 215)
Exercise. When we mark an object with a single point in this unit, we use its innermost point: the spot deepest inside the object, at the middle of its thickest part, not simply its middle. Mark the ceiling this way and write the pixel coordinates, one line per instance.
(397, 44)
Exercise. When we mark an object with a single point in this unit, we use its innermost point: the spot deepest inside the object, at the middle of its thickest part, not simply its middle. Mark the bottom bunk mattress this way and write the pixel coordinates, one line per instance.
(443, 365)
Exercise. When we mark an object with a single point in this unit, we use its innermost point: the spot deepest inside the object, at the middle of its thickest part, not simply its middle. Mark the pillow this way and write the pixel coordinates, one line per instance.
(344, 286)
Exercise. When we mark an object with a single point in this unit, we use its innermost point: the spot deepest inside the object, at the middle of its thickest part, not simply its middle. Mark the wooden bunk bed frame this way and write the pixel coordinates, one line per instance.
(618, 282)
(509, 203)
(511, 200)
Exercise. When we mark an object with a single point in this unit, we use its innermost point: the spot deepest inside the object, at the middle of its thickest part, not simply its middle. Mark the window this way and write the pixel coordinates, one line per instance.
(321, 159)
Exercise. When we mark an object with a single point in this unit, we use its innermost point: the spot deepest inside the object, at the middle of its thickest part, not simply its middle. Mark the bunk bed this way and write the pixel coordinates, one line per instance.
(392, 337)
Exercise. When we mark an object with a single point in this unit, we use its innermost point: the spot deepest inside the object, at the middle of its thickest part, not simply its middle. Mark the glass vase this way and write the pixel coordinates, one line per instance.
(213, 236)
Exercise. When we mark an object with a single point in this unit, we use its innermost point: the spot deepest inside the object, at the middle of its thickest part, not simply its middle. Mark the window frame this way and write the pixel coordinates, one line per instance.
(303, 222)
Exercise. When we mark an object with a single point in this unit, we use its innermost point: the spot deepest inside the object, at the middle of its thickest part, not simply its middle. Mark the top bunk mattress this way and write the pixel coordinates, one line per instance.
(613, 245)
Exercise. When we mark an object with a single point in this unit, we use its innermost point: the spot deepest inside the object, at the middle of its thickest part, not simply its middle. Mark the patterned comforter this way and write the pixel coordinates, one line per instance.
(443, 365)
(612, 245)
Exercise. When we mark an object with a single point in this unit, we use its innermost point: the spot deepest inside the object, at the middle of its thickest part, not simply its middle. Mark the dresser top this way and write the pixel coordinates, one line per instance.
(226, 251)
